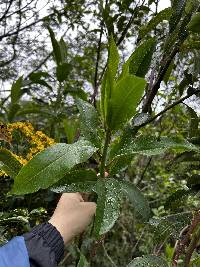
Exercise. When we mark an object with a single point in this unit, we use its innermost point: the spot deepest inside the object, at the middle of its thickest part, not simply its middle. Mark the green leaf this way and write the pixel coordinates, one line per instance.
(16, 91)
(178, 7)
(76, 93)
(70, 127)
(120, 164)
(62, 71)
(108, 205)
(195, 262)
(42, 82)
(8, 163)
(13, 109)
(168, 72)
(89, 122)
(63, 49)
(165, 14)
(194, 123)
(123, 151)
(187, 80)
(82, 179)
(148, 260)
(86, 187)
(193, 180)
(56, 46)
(125, 138)
(83, 262)
(109, 77)
(194, 24)
(113, 57)
(170, 226)
(38, 75)
(36, 78)
(51, 165)
(139, 62)
(149, 146)
(139, 202)
(175, 198)
(124, 100)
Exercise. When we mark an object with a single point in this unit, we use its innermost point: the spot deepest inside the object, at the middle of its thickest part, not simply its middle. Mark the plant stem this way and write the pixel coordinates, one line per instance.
(109, 258)
(191, 248)
(105, 150)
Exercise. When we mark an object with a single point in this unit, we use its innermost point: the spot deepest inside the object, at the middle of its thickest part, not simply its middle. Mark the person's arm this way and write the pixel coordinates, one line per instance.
(45, 243)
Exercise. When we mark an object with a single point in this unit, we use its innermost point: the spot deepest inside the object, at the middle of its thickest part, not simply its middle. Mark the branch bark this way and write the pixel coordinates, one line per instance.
(168, 108)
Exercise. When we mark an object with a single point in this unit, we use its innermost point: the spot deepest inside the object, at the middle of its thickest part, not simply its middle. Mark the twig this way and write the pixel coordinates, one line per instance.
(124, 32)
(183, 242)
(65, 258)
(121, 38)
(109, 258)
(168, 108)
(40, 65)
(165, 62)
(8, 34)
(7, 10)
(153, 91)
(144, 171)
(191, 248)
(93, 98)
(105, 149)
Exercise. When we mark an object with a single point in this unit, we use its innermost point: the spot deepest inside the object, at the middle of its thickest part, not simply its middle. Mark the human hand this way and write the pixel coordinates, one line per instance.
(72, 215)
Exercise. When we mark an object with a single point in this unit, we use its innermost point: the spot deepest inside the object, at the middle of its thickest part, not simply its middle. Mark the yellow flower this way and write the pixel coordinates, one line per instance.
(37, 140)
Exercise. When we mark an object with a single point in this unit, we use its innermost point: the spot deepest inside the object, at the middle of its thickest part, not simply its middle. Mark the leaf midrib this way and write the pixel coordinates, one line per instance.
(32, 177)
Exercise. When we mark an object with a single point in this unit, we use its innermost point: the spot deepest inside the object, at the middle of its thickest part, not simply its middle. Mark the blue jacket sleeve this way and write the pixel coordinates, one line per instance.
(14, 253)
(41, 247)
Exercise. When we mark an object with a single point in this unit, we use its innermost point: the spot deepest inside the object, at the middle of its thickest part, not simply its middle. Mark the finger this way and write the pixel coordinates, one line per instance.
(76, 196)
(90, 207)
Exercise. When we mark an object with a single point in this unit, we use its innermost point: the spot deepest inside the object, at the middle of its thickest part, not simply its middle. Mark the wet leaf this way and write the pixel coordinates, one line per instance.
(165, 14)
(138, 200)
(140, 119)
(86, 187)
(178, 7)
(108, 205)
(8, 163)
(139, 62)
(148, 261)
(120, 164)
(149, 146)
(124, 100)
(170, 225)
(76, 180)
(89, 122)
(51, 165)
